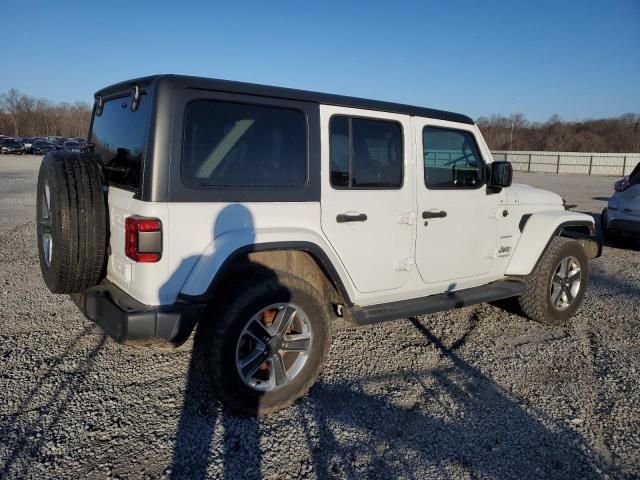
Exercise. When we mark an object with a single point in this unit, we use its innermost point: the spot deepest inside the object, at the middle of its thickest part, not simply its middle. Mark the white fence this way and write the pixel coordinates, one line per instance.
(612, 164)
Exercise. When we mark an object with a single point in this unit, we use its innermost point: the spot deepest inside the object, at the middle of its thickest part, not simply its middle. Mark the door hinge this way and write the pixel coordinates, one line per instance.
(404, 264)
(408, 217)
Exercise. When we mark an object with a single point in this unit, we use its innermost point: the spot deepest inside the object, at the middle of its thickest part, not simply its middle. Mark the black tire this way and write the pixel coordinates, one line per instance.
(608, 236)
(603, 225)
(536, 302)
(221, 329)
(76, 222)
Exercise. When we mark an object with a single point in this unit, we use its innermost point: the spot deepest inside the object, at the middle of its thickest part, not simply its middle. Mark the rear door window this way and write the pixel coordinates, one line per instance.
(365, 153)
(119, 136)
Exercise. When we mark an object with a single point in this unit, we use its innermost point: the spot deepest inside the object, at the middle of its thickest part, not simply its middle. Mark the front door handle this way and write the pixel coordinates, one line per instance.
(345, 217)
(440, 214)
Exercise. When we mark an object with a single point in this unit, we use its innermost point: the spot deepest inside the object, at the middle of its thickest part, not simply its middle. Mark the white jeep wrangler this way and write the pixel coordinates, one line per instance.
(263, 213)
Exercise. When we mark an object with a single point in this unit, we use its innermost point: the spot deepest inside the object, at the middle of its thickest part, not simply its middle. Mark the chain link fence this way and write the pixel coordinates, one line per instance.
(609, 164)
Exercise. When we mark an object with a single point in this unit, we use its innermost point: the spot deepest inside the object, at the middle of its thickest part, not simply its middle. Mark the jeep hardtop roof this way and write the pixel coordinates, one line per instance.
(185, 81)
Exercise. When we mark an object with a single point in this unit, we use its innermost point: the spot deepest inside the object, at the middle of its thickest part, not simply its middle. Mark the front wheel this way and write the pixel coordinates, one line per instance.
(557, 284)
(268, 345)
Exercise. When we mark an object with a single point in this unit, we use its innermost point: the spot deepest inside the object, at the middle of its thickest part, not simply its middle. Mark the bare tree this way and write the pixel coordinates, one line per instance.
(24, 115)
(621, 134)
(11, 101)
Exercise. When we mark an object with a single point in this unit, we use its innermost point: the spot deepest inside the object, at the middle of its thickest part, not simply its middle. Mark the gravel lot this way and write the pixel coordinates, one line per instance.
(475, 393)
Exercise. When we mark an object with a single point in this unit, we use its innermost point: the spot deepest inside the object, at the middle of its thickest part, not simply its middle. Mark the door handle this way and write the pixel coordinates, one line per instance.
(345, 217)
(440, 214)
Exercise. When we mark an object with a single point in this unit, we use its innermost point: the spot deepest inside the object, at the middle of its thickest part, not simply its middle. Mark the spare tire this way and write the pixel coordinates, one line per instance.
(72, 221)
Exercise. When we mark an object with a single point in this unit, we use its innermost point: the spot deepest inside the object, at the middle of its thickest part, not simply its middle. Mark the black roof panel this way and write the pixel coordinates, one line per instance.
(185, 81)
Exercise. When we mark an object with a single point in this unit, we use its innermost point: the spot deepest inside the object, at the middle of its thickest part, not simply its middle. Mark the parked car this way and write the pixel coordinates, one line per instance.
(621, 218)
(81, 140)
(26, 143)
(11, 145)
(57, 141)
(40, 147)
(262, 214)
(71, 146)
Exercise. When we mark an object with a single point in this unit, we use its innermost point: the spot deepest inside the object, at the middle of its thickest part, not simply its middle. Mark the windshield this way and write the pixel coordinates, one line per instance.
(119, 136)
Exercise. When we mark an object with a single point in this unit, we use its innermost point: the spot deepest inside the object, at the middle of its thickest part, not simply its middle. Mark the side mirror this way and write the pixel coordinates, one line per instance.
(500, 175)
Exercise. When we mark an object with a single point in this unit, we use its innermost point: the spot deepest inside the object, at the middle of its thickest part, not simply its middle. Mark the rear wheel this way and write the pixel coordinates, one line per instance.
(557, 284)
(268, 345)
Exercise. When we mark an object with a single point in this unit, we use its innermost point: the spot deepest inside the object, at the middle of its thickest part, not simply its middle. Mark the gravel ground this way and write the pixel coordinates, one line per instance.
(475, 393)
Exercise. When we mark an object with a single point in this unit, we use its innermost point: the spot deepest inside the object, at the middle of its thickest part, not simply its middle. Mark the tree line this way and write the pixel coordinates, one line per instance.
(608, 135)
(26, 116)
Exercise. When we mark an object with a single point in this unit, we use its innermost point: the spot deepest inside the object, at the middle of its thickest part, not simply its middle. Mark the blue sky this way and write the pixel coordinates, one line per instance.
(580, 59)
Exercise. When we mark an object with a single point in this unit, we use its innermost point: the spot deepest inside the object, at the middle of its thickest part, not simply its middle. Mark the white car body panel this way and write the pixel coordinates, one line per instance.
(539, 229)
(143, 281)
(469, 232)
(257, 223)
(528, 195)
(375, 262)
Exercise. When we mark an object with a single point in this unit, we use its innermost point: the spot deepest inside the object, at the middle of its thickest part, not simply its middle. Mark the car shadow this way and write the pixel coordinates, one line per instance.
(478, 428)
(28, 440)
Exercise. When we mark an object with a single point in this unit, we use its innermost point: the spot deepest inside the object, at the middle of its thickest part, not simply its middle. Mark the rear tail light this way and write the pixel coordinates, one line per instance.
(143, 239)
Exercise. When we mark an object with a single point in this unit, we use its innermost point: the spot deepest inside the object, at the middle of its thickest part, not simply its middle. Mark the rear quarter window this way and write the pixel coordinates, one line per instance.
(119, 136)
(241, 145)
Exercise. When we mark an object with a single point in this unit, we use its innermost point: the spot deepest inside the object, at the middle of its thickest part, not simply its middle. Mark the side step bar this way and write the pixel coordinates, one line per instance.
(497, 290)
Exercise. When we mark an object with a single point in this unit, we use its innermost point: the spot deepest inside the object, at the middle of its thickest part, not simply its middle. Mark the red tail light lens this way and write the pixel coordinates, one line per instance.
(143, 239)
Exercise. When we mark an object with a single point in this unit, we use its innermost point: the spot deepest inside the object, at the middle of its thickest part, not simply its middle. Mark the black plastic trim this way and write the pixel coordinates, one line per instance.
(314, 250)
(624, 227)
(125, 319)
(493, 291)
(523, 221)
(428, 214)
(345, 218)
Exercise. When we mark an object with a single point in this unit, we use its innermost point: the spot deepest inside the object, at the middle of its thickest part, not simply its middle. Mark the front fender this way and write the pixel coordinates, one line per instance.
(227, 246)
(537, 232)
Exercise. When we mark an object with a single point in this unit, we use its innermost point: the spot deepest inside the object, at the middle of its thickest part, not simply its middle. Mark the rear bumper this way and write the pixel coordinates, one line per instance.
(623, 226)
(126, 320)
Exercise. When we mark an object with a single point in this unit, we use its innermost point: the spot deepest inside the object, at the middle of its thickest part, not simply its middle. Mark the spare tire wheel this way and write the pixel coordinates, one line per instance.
(72, 221)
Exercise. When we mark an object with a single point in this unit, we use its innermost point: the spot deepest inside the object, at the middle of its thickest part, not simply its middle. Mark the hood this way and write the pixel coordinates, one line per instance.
(535, 196)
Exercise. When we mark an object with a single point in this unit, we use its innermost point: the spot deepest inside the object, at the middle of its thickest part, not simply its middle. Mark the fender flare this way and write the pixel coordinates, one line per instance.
(538, 231)
(210, 270)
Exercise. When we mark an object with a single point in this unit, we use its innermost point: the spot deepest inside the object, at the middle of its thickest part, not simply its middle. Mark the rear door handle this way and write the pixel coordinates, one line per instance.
(440, 214)
(345, 217)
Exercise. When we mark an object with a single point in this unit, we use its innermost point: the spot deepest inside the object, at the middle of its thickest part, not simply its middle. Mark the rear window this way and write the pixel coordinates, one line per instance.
(119, 136)
(241, 145)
